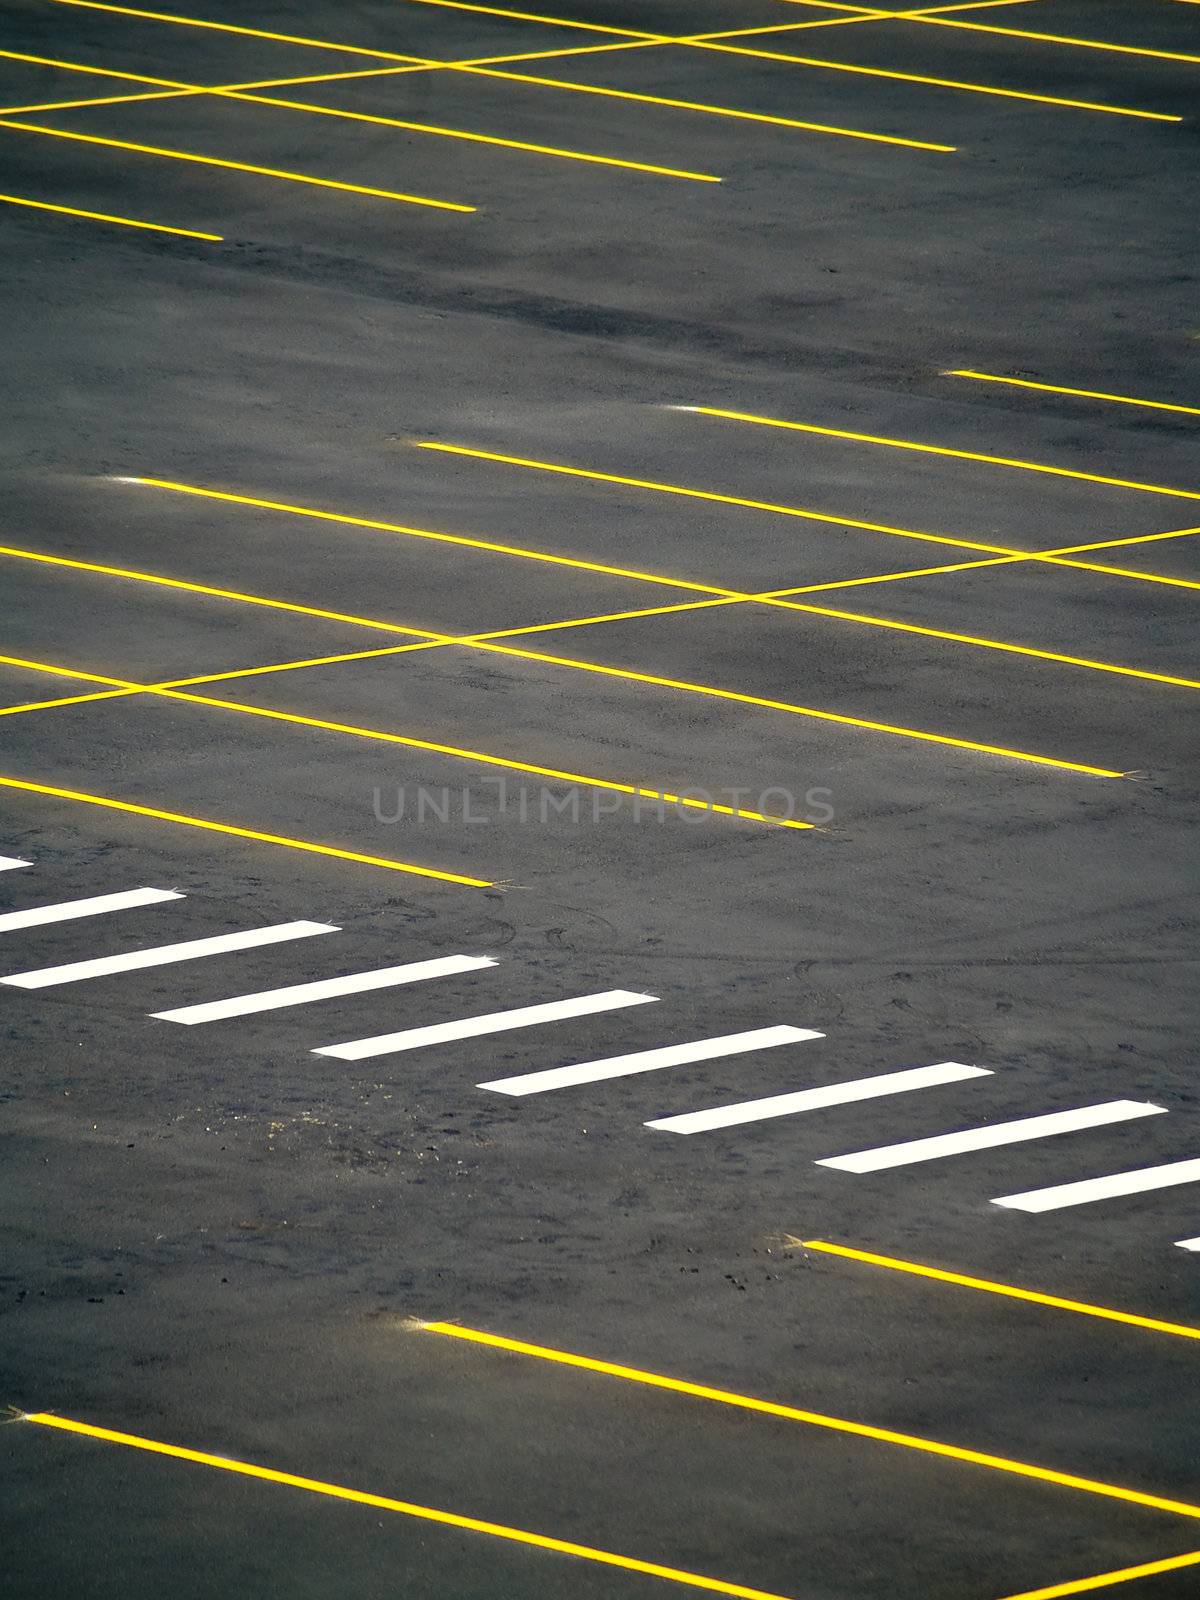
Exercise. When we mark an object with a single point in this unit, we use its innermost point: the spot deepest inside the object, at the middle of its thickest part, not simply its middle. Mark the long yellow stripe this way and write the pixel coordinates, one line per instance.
(1080, 394)
(506, 763)
(1105, 1580)
(230, 166)
(894, 1264)
(637, 39)
(407, 1508)
(247, 97)
(776, 509)
(1059, 38)
(107, 216)
(941, 450)
(238, 832)
(817, 1419)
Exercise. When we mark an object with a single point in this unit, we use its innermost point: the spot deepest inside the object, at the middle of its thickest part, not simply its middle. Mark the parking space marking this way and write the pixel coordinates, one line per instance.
(832, 1094)
(387, 1044)
(456, 752)
(301, 994)
(247, 98)
(96, 905)
(817, 1419)
(231, 166)
(406, 1508)
(107, 803)
(1078, 394)
(166, 954)
(1189, 1244)
(988, 1286)
(1114, 1184)
(109, 216)
(634, 41)
(775, 508)
(10, 863)
(1104, 1580)
(1057, 38)
(670, 1055)
(941, 450)
(991, 1136)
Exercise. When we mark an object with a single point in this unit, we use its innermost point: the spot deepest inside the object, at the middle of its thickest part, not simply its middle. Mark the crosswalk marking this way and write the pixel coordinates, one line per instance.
(1109, 1187)
(833, 1094)
(163, 954)
(385, 1044)
(68, 910)
(988, 1138)
(1188, 1244)
(670, 1055)
(7, 863)
(298, 994)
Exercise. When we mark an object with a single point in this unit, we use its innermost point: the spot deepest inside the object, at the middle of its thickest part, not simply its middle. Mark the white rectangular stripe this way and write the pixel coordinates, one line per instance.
(833, 1094)
(163, 954)
(1111, 1187)
(670, 1055)
(68, 910)
(7, 863)
(1188, 1244)
(386, 1044)
(998, 1133)
(299, 994)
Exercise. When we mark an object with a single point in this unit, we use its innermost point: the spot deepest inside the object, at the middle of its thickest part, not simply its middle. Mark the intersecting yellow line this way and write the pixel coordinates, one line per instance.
(779, 510)
(405, 1508)
(107, 216)
(107, 803)
(633, 40)
(246, 97)
(433, 747)
(1075, 394)
(779, 598)
(544, 658)
(231, 166)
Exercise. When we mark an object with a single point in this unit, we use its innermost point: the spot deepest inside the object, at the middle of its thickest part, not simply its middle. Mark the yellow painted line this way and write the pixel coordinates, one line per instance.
(406, 1508)
(817, 1419)
(508, 764)
(636, 39)
(230, 166)
(1059, 38)
(109, 804)
(1081, 394)
(247, 97)
(941, 450)
(894, 1264)
(773, 507)
(1105, 1580)
(106, 216)
(625, 674)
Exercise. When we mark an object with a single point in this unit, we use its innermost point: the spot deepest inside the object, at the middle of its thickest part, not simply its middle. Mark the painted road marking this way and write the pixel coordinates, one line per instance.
(1115, 1184)
(1188, 1244)
(1105, 1580)
(816, 1419)
(68, 910)
(8, 863)
(108, 216)
(406, 1508)
(833, 1094)
(1078, 394)
(386, 1044)
(988, 1138)
(298, 994)
(895, 1264)
(164, 954)
(671, 1055)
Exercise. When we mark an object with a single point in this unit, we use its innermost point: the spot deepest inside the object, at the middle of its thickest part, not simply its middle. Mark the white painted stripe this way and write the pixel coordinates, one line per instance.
(7, 863)
(998, 1133)
(1117, 1183)
(386, 1044)
(68, 910)
(1188, 1244)
(163, 954)
(299, 994)
(832, 1094)
(671, 1055)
